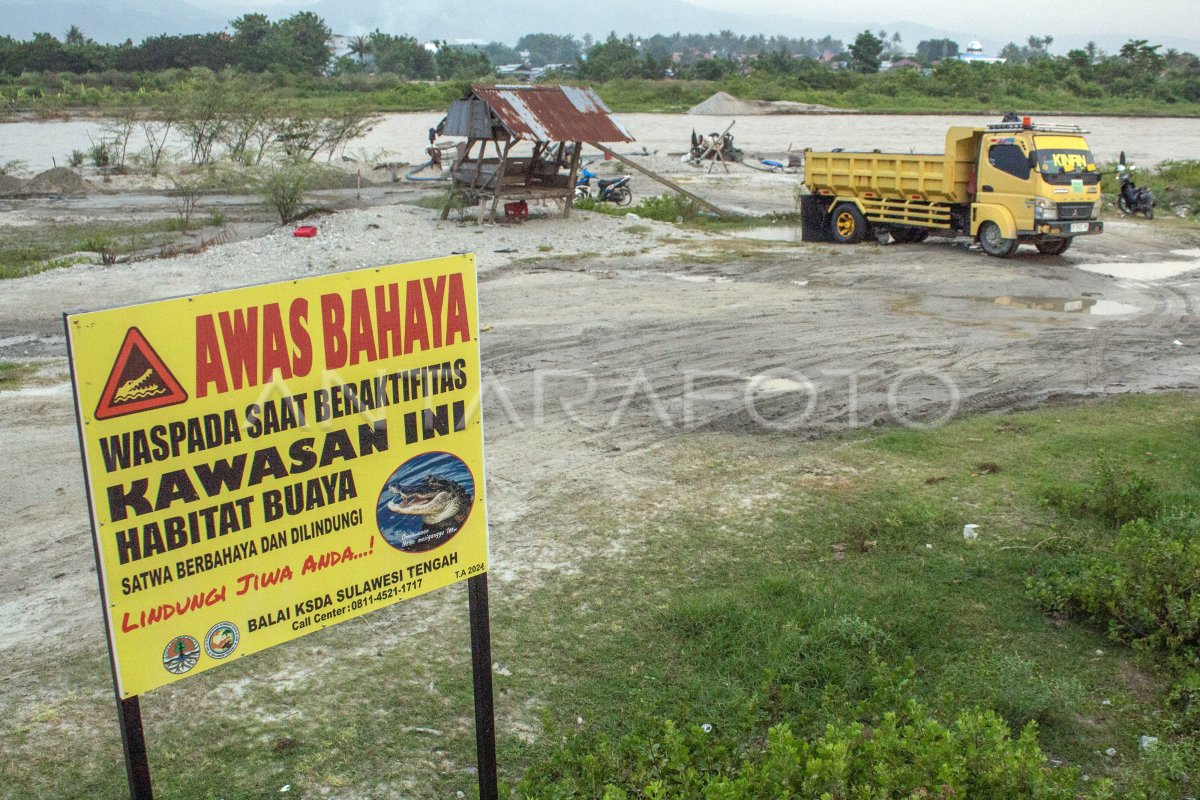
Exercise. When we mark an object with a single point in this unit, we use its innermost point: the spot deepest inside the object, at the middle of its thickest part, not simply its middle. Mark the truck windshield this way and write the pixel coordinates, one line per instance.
(1061, 166)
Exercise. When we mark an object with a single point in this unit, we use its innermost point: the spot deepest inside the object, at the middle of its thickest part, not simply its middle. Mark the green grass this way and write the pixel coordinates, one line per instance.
(36, 248)
(30, 250)
(757, 580)
(675, 208)
(781, 575)
(13, 375)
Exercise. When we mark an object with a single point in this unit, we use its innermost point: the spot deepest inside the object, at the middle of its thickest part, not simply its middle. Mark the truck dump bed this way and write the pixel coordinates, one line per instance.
(945, 178)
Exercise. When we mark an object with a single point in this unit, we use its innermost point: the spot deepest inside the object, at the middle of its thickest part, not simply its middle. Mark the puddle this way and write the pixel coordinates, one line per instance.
(1069, 305)
(769, 384)
(769, 233)
(700, 278)
(1188, 260)
(1104, 308)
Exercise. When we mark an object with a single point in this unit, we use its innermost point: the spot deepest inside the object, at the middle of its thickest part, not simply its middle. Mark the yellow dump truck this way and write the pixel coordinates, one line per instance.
(1007, 184)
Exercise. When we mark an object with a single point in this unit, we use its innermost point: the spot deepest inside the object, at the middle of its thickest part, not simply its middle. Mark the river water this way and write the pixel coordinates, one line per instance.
(403, 137)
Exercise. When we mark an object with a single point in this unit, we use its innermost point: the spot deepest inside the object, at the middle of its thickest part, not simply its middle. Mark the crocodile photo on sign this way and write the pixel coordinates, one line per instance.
(425, 502)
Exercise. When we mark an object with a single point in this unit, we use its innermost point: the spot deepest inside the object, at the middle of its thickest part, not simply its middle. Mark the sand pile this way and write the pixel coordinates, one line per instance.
(59, 180)
(724, 104)
(10, 185)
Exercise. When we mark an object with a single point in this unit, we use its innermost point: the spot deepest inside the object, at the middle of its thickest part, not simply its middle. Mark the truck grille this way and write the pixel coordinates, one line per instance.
(1075, 210)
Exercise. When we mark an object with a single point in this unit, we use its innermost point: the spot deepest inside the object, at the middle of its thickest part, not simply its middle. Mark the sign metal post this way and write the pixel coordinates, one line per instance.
(481, 667)
(133, 738)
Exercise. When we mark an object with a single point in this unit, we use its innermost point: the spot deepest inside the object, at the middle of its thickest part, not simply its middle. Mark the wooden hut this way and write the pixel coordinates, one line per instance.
(554, 120)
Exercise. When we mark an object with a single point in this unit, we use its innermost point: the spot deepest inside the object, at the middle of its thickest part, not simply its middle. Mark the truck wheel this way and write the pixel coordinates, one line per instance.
(1054, 247)
(994, 243)
(847, 225)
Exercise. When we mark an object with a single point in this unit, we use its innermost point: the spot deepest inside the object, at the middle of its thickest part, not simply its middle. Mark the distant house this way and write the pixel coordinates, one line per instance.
(832, 60)
(509, 70)
(905, 63)
(527, 72)
(975, 55)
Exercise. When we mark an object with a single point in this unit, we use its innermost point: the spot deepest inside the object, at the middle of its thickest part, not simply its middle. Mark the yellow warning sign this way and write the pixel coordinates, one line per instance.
(268, 461)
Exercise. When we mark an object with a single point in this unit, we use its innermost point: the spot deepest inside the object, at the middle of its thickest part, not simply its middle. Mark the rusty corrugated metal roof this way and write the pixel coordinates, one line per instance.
(553, 113)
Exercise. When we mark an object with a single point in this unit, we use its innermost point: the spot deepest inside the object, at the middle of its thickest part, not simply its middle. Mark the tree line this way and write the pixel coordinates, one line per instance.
(299, 46)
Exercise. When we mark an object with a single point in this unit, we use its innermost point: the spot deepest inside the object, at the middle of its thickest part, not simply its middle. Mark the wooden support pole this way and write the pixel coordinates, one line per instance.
(478, 172)
(538, 149)
(576, 158)
(466, 157)
(669, 184)
(499, 182)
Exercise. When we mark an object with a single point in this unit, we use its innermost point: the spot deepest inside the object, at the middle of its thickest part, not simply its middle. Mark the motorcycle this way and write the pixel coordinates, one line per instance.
(614, 191)
(1131, 198)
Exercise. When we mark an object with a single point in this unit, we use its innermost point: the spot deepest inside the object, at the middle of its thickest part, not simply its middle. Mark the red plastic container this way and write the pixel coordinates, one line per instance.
(516, 211)
(305, 232)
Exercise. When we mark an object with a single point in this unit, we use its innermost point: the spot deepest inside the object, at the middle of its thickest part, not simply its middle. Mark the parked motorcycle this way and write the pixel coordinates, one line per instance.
(1131, 198)
(614, 191)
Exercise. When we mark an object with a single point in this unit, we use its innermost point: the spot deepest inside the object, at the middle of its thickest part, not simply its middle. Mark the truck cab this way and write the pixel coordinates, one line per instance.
(1038, 185)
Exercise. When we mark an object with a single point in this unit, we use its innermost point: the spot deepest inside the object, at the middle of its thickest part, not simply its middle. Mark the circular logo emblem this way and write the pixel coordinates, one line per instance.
(425, 502)
(221, 639)
(181, 654)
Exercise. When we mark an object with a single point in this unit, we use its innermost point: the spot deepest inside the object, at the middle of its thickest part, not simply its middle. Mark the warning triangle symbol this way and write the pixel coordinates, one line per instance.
(139, 381)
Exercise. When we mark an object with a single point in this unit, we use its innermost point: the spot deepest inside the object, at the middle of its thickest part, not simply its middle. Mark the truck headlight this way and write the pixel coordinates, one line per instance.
(1044, 209)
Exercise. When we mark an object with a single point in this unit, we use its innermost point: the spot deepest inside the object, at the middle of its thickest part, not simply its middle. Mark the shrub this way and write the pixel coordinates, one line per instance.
(282, 188)
(902, 753)
(186, 190)
(100, 154)
(105, 246)
(668, 207)
(1117, 496)
(1144, 586)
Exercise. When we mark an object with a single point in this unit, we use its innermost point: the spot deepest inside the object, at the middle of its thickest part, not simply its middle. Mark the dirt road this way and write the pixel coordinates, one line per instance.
(603, 337)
